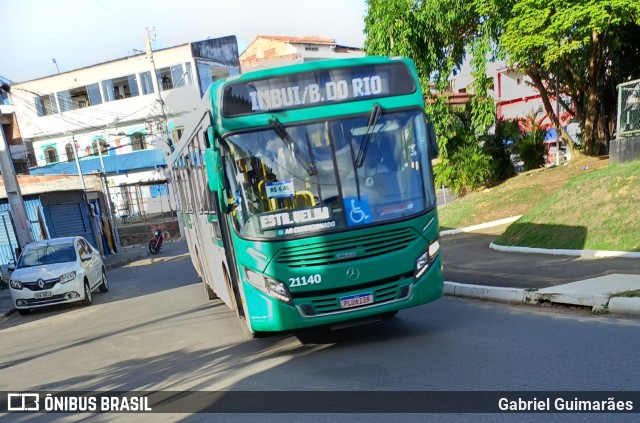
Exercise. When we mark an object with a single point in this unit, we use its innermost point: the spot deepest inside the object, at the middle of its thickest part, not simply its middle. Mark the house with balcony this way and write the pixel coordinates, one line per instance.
(119, 118)
(268, 51)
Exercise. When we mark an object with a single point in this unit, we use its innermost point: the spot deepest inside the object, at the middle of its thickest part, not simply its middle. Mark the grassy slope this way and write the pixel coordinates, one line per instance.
(565, 207)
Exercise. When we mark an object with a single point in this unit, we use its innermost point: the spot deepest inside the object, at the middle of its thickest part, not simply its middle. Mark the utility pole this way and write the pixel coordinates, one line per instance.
(114, 227)
(16, 203)
(165, 120)
(154, 75)
(75, 156)
(84, 193)
(156, 87)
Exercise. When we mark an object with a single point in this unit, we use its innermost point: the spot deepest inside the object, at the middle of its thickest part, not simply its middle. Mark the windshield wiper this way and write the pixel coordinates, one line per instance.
(281, 131)
(374, 117)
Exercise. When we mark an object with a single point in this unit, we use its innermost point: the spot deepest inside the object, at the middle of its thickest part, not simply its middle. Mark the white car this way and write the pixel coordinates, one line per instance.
(55, 271)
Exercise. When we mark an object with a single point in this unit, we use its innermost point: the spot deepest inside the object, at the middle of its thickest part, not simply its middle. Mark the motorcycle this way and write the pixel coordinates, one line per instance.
(155, 245)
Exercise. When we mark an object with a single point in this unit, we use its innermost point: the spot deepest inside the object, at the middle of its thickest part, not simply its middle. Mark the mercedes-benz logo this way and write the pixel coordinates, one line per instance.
(40, 284)
(353, 273)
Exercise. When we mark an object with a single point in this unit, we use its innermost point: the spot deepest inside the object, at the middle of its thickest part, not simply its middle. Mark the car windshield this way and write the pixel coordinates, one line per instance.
(47, 254)
(329, 175)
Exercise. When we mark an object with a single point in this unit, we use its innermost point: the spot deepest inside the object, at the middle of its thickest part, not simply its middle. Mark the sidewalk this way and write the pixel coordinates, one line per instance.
(487, 271)
(127, 255)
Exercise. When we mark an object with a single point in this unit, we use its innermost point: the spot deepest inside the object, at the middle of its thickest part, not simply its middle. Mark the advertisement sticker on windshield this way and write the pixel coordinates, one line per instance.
(294, 218)
(280, 189)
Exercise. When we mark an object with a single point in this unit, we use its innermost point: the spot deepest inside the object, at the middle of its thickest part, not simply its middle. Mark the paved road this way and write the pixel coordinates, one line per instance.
(156, 330)
(468, 259)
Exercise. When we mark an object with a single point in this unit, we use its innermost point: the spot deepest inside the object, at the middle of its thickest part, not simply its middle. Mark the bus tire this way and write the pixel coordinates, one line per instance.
(236, 307)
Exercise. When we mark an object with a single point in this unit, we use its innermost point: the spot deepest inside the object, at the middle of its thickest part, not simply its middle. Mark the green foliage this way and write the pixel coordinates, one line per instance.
(471, 167)
(431, 32)
(496, 147)
(464, 166)
(437, 34)
(531, 149)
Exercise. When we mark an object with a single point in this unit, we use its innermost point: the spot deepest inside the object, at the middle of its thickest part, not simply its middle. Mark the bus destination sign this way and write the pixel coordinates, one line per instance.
(316, 88)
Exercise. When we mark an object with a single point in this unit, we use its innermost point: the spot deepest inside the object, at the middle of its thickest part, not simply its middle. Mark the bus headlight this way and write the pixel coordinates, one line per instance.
(269, 286)
(425, 259)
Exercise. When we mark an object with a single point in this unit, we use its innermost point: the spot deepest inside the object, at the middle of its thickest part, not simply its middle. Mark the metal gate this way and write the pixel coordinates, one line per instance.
(36, 222)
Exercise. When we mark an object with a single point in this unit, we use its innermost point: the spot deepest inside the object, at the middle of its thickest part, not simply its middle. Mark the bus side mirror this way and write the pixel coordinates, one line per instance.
(212, 164)
(433, 143)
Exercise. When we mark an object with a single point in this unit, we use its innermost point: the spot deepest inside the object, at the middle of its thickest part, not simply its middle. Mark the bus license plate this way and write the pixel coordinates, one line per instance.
(356, 300)
(43, 294)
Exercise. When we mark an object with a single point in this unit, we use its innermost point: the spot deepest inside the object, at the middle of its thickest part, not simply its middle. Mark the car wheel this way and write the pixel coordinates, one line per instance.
(24, 311)
(104, 286)
(87, 294)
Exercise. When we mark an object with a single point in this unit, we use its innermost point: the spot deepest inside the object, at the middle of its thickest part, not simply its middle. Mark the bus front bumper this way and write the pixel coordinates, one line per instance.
(268, 314)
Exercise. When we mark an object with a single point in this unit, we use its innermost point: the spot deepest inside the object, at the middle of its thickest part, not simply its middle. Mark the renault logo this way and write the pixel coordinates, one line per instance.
(40, 284)
(353, 273)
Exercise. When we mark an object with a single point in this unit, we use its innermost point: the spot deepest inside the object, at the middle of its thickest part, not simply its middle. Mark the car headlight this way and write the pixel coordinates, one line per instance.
(15, 284)
(68, 277)
(269, 286)
(424, 260)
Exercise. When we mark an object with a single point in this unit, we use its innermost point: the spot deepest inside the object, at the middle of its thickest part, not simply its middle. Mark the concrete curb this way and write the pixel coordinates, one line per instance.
(480, 226)
(483, 292)
(125, 261)
(615, 305)
(562, 252)
(624, 305)
(8, 313)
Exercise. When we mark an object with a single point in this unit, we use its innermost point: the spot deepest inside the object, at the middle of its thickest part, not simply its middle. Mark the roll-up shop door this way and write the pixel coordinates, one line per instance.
(69, 219)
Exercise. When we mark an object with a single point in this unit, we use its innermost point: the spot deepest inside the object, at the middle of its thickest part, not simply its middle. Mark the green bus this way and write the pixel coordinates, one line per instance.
(306, 193)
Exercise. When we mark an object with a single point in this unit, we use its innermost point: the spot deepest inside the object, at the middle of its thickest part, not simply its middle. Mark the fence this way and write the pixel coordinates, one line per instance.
(628, 122)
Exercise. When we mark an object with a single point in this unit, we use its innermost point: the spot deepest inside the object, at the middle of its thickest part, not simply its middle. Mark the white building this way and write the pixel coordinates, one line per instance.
(119, 117)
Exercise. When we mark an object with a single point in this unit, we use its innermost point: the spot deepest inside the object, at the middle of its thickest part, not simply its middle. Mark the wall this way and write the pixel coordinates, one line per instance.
(623, 150)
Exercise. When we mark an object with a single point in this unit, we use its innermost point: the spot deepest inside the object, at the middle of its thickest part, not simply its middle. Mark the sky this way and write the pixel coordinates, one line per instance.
(79, 33)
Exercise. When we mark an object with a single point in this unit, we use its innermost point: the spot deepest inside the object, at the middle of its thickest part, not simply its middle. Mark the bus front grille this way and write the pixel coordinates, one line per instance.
(346, 250)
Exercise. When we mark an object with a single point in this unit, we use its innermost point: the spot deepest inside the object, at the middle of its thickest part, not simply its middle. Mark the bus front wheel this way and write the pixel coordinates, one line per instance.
(237, 305)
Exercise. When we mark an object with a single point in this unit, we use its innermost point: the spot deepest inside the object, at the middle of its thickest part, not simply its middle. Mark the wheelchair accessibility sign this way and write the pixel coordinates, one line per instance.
(358, 210)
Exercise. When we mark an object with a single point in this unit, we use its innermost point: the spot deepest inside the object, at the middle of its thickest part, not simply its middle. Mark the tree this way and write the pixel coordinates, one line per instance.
(579, 43)
(586, 46)
(437, 35)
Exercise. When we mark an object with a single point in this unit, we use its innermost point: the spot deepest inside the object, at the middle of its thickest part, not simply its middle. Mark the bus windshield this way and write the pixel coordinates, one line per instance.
(329, 174)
